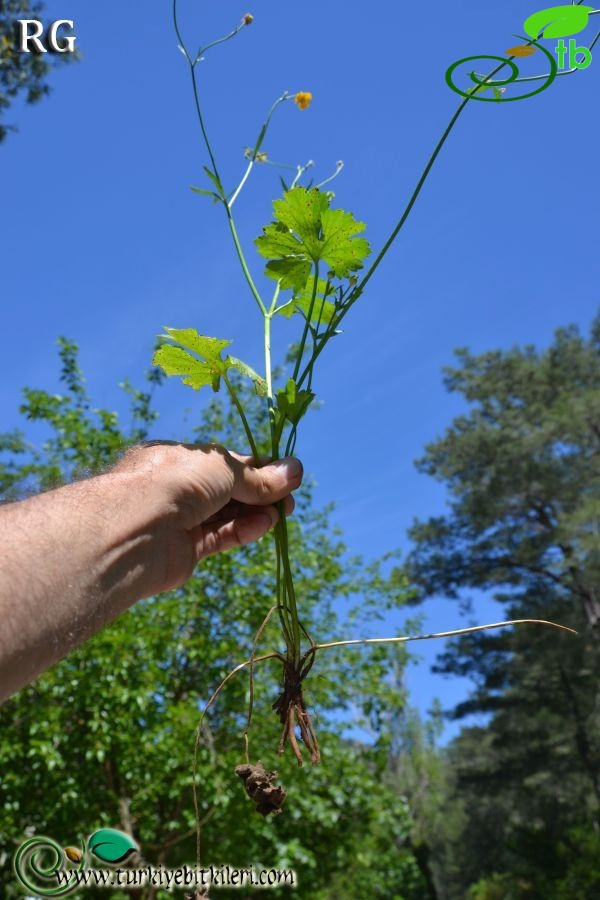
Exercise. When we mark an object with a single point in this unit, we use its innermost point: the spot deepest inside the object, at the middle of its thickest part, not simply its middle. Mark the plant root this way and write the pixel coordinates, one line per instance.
(260, 787)
(292, 711)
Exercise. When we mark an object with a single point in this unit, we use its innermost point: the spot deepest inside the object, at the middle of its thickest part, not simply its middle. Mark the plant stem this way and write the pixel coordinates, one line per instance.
(269, 380)
(286, 598)
(243, 262)
(425, 174)
(280, 588)
(294, 646)
(201, 121)
(218, 41)
(236, 241)
(358, 290)
(273, 306)
(242, 414)
(413, 199)
(259, 141)
(307, 323)
(440, 634)
(245, 177)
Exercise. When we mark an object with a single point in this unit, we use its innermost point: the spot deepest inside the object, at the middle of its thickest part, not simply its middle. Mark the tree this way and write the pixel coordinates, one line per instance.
(106, 737)
(522, 467)
(23, 74)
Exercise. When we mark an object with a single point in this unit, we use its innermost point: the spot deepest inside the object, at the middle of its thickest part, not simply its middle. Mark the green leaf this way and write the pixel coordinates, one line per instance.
(277, 240)
(260, 385)
(292, 271)
(176, 361)
(292, 403)
(323, 310)
(343, 254)
(288, 309)
(111, 846)
(215, 180)
(212, 194)
(557, 21)
(207, 347)
(300, 210)
(206, 371)
(180, 361)
(306, 231)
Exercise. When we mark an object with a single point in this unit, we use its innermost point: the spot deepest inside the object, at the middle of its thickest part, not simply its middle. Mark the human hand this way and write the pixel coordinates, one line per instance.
(205, 499)
(76, 557)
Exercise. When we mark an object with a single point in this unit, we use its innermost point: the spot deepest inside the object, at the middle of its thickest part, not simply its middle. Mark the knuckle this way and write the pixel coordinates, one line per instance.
(265, 485)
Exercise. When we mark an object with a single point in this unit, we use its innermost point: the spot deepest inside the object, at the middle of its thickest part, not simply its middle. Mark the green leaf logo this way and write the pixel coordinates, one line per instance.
(557, 21)
(110, 845)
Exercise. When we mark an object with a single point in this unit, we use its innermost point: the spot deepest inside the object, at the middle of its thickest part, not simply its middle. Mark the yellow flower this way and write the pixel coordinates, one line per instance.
(248, 19)
(302, 99)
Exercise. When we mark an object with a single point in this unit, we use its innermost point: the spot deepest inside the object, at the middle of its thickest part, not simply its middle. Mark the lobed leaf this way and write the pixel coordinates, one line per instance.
(292, 404)
(343, 254)
(291, 271)
(260, 385)
(306, 231)
(208, 347)
(176, 361)
(323, 310)
(300, 210)
(200, 372)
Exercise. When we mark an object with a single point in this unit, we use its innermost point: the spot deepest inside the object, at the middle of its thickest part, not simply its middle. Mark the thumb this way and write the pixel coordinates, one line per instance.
(267, 484)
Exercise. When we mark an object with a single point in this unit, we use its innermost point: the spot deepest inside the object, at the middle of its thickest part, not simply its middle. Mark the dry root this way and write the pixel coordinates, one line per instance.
(267, 796)
(292, 711)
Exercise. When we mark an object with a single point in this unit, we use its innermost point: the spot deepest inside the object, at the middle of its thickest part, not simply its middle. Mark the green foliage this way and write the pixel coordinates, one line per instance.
(105, 739)
(522, 470)
(312, 302)
(23, 74)
(81, 438)
(291, 404)
(209, 369)
(306, 231)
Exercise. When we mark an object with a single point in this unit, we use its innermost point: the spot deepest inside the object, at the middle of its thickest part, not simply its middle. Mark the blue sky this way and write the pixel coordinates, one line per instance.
(103, 241)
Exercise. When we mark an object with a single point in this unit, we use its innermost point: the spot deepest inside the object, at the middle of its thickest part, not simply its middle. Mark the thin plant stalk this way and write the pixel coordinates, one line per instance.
(286, 596)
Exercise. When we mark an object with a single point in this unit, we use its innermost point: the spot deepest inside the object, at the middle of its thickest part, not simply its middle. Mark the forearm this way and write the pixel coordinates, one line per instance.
(72, 560)
(75, 558)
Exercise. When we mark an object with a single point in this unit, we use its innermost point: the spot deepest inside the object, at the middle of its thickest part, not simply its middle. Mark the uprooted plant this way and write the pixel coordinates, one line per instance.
(315, 260)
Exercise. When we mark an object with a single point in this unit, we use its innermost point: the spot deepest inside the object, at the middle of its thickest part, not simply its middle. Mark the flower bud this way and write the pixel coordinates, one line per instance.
(302, 99)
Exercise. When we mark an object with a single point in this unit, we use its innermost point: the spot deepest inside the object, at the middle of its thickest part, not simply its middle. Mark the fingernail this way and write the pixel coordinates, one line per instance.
(290, 466)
